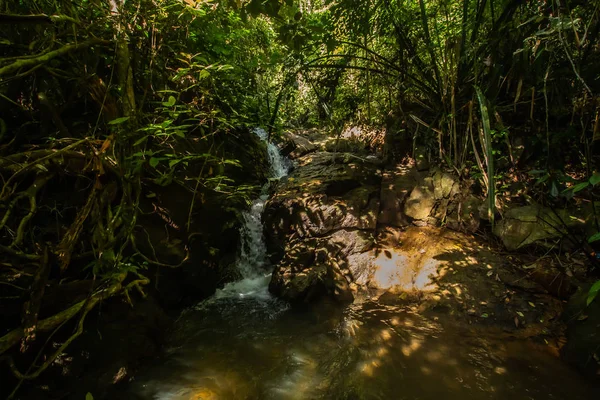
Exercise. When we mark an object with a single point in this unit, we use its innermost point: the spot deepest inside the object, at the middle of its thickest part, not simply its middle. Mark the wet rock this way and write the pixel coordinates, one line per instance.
(523, 226)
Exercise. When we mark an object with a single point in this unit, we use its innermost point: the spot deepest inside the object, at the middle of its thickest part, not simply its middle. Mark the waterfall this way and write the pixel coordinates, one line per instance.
(252, 258)
(279, 165)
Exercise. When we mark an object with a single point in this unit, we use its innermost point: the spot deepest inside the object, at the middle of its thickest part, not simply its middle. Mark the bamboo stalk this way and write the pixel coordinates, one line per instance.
(488, 154)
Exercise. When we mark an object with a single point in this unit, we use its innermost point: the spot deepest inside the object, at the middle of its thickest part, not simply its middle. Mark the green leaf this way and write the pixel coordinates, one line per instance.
(119, 121)
(172, 163)
(171, 102)
(154, 162)
(179, 133)
(593, 293)
(204, 74)
(594, 238)
(89, 396)
(595, 179)
(579, 187)
(140, 141)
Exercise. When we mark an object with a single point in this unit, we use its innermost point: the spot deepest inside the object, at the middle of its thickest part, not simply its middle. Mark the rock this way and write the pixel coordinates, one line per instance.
(322, 214)
(343, 145)
(295, 146)
(327, 192)
(396, 186)
(444, 185)
(582, 349)
(464, 216)
(523, 226)
(421, 201)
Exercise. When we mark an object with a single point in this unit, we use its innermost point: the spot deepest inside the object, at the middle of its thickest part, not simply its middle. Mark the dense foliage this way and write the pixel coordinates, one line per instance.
(103, 101)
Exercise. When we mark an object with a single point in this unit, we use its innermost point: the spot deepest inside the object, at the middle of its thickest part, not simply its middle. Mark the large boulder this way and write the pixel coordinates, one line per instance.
(523, 226)
(324, 212)
(327, 226)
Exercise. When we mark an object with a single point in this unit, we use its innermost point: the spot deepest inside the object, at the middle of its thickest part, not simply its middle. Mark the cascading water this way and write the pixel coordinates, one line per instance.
(252, 258)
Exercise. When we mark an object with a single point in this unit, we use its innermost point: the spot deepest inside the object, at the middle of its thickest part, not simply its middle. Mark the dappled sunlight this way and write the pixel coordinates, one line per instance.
(414, 345)
(369, 347)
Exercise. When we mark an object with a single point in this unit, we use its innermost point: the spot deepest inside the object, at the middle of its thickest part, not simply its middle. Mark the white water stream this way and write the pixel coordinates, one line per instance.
(252, 261)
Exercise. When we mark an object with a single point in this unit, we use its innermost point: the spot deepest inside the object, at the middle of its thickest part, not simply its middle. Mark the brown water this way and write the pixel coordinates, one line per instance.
(254, 347)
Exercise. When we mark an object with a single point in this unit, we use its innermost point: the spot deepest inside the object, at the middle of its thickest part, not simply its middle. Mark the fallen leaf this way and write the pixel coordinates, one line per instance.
(517, 322)
(490, 273)
(520, 314)
(531, 304)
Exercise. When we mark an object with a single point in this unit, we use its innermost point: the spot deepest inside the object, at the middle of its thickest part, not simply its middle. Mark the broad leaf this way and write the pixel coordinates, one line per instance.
(595, 179)
(171, 102)
(119, 121)
(580, 187)
(593, 293)
(594, 238)
(154, 162)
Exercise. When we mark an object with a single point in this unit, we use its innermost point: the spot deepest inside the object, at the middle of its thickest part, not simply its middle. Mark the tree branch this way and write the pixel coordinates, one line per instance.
(35, 19)
(44, 58)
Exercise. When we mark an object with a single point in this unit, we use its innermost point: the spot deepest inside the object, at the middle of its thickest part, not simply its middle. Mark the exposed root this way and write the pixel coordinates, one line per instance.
(115, 286)
(31, 193)
(69, 240)
(32, 306)
(37, 162)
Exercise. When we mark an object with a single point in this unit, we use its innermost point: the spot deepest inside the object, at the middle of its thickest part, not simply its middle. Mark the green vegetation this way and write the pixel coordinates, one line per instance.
(106, 104)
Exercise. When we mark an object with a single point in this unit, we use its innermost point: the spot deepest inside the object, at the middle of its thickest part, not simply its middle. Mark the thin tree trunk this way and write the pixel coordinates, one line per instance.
(123, 59)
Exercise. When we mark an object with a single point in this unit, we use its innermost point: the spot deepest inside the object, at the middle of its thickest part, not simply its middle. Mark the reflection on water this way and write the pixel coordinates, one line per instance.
(256, 348)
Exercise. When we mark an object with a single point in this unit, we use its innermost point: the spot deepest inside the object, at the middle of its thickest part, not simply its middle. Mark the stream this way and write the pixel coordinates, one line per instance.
(245, 344)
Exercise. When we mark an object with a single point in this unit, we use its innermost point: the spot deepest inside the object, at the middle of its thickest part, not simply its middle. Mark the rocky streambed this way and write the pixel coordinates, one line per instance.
(343, 226)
